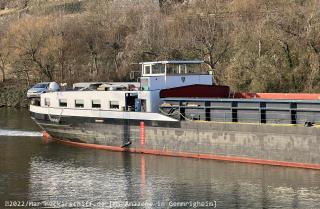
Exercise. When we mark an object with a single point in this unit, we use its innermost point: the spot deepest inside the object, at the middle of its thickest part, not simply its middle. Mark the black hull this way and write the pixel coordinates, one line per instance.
(294, 146)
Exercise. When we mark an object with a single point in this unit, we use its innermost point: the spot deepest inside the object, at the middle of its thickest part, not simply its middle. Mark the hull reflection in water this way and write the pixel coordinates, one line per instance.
(69, 174)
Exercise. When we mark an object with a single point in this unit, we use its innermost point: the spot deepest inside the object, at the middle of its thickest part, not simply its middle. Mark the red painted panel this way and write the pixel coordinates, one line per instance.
(213, 91)
(298, 96)
(197, 90)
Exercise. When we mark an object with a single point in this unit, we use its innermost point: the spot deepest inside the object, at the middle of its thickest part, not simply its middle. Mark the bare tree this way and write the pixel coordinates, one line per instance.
(2, 67)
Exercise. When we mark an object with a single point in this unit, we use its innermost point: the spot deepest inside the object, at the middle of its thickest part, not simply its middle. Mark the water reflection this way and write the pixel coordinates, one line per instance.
(11, 118)
(70, 174)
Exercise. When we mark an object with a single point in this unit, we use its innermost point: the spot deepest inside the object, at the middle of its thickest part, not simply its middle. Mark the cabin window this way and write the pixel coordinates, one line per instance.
(158, 69)
(114, 105)
(195, 69)
(96, 104)
(172, 69)
(147, 69)
(63, 103)
(46, 102)
(79, 103)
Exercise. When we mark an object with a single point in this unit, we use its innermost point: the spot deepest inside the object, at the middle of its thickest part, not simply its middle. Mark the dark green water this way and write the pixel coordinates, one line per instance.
(42, 174)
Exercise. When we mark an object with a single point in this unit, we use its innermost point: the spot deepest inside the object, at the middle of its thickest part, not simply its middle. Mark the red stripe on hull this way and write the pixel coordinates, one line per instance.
(294, 96)
(191, 155)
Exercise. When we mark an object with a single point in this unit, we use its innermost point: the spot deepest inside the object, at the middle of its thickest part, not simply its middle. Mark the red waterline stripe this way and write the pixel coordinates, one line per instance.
(190, 155)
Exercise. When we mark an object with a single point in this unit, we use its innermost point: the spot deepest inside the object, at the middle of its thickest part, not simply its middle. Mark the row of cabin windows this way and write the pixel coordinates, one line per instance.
(79, 103)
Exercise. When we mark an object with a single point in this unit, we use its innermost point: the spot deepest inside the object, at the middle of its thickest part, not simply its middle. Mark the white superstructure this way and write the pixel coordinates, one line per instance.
(141, 97)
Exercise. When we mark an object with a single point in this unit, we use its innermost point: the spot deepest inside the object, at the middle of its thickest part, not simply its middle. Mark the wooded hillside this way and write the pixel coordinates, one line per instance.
(251, 45)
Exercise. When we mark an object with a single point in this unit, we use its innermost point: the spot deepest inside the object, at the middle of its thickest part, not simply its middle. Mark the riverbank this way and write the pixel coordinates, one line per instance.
(13, 95)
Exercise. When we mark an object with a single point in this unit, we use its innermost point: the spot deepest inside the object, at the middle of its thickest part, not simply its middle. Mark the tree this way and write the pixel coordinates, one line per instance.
(2, 67)
(35, 43)
(4, 58)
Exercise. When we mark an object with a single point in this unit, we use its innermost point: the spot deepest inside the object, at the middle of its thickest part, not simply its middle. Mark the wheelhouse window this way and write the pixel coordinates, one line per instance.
(114, 105)
(173, 69)
(63, 103)
(79, 103)
(46, 102)
(96, 104)
(158, 69)
(147, 69)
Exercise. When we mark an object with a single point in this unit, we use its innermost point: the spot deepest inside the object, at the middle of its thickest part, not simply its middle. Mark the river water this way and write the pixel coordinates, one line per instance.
(36, 174)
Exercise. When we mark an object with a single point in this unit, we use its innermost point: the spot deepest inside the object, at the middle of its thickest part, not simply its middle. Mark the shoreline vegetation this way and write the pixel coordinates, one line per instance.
(13, 95)
(250, 45)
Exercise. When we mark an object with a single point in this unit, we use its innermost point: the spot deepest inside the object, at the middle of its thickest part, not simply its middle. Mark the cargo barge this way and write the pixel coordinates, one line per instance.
(175, 110)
